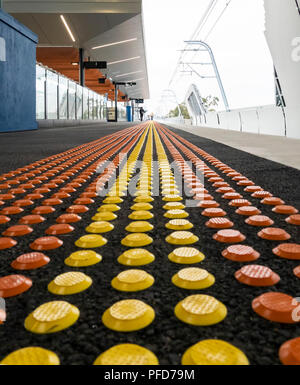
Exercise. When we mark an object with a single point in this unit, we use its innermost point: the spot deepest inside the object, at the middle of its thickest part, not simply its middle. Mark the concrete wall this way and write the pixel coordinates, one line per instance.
(17, 76)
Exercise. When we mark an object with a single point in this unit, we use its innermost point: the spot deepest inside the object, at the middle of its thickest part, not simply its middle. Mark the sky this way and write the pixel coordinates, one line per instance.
(238, 43)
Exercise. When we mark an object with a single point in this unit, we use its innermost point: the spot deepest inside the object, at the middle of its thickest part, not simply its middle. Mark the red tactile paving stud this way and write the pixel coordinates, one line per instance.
(276, 307)
(272, 201)
(239, 203)
(67, 189)
(284, 209)
(248, 211)
(4, 219)
(13, 285)
(4, 186)
(30, 261)
(220, 184)
(62, 228)
(289, 352)
(219, 223)
(17, 231)
(31, 219)
(42, 190)
(229, 236)
(17, 191)
(259, 220)
(293, 220)
(88, 195)
(288, 251)
(6, 197)
(261, 194)
(23, 202)
(34, 196)
(77, 209)
(42, 210)
(208, 204)
(240, 253)
(46, 243)
(61, 195)
(257, 275)
(274, 234)
(68, 218)
(214, 212)
(11, 210)
(232, 196)
(7, 243)
(296, 271)
(52, 202)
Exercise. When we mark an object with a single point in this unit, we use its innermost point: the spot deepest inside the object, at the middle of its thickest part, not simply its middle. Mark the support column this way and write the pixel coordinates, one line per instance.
(81, 67)
(116, 101)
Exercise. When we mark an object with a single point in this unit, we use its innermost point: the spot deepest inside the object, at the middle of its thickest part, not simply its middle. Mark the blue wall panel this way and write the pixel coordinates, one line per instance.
(17, 76)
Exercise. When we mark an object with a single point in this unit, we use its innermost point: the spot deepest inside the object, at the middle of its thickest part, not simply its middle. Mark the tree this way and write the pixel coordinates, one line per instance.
(210, 101)
(184, 112)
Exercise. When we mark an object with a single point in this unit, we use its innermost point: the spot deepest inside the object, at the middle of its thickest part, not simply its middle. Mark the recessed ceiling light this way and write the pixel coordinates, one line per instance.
(67, 28)
(135, 80)
(124, 60)
(116, 43)
(75, 64)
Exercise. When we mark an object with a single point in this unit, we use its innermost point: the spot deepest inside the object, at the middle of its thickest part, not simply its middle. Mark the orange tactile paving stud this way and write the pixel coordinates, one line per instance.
(232, 196)
(261, 194)
(214, 212)
(293, 220)
(229, 236)
(241, 253)
(42, 210)
(17, 231)
(284, 209)
(219, 223)
(13, 285)
(7, 243)
(31, 219)
(248, 211)
(277, 307)
(252, 188)
(257, 275)
(208, 204)
(296, 271)
(62, 228)
(30, 261)
(23, 203)
(259, 220)
(4, 219)
(272, 201)
(239, 203)
(11, 210)
(289, 352)
(68, 218)
(274, 234)
(46, 243)
(77, 209)
(288, 251)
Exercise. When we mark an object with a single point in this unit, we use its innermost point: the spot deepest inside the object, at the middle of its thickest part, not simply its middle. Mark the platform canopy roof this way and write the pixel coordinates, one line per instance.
(107, 30)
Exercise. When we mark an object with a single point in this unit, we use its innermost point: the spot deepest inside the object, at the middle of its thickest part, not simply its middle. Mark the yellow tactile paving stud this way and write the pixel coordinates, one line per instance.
(110, 208)
(139, 227)
(70, 283)
(174, 206)
(141, 216)
(214, 352)
(91, 241)
(200, 310)
(31, 356)
(83, 258)
(179, 224)
(172, 198)
(193, 278)
(141, 207)
(136, 257)
(132, 280)
(127, 354)
(99, 227)
(137, 240)
(143, 199)
(176, 214)
(182, 238)
(107, 216)
(113, 200)
(128, 315)
(186, 256)
(52, 317)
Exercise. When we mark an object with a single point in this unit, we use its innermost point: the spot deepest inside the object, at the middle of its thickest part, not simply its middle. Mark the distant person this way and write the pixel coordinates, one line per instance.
(151, 116)
(142, 113)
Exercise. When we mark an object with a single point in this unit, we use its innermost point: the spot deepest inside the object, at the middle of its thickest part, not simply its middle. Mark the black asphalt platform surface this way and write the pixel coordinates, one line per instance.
(167, 337)
(20, 148)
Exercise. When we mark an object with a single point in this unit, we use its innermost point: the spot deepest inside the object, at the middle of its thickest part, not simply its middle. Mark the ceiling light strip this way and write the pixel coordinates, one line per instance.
(116, 43)
(67, 27)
